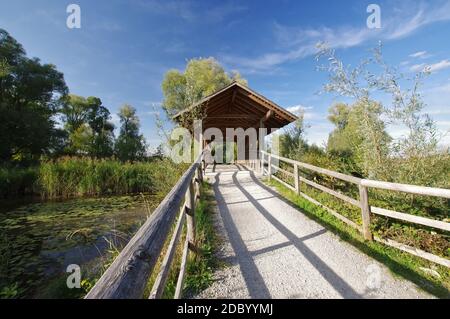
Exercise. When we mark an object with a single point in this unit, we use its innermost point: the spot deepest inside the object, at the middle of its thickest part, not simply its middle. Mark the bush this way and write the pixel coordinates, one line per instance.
(17, 181)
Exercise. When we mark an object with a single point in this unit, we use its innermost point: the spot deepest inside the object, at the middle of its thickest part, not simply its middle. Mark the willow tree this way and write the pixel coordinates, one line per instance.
(411, 153)
(201, 77)
(30, 97)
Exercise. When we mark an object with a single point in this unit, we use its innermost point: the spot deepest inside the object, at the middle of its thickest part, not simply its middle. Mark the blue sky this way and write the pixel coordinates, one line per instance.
(123, 48)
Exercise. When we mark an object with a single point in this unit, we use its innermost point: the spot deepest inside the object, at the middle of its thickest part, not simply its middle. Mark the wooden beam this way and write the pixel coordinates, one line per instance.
(233, 98)
(268, 115)
(232, 116)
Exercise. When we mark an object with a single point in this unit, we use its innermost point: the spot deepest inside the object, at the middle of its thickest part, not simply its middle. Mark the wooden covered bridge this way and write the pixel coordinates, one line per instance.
(273, 249)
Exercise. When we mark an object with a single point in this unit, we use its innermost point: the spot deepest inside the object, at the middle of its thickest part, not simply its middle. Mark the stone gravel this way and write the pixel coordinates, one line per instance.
(271, 250)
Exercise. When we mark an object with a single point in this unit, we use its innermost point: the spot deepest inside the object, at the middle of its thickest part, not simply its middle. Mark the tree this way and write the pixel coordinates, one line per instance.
(202, 77)
(130, 145)
(31, 94)
(87, 121)
(377, 151)
(292, 142)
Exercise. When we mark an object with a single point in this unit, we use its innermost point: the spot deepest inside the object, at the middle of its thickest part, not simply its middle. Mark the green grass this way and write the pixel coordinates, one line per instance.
(200, 267)
(400, 263)
(70, 177)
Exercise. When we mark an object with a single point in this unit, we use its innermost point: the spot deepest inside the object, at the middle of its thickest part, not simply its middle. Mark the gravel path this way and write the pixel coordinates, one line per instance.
(272, 250)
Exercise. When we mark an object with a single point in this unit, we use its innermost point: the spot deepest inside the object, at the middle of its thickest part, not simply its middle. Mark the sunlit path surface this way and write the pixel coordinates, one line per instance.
(272, 250)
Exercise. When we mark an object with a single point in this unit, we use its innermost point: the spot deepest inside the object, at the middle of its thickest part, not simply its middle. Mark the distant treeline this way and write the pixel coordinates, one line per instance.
(41, 120)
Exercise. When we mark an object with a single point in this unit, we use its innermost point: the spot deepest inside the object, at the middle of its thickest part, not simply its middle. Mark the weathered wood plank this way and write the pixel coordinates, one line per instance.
(365, 211)
(190, 212)
(411, 218)
(411, 189)
(161, 279)
(414, 251)
(128, 274)
(284, 183)
(347, 178)
(282, 170)
(332, 212)
(331, 192)
(181, 275)
(296, 180)
(269, 168)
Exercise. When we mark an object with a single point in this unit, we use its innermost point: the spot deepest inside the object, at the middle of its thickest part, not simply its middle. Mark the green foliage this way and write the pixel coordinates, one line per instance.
(292, 142)
(200, 268)
(70, 177)
(359, 136)
(15, 181)
(30, 95)
(130, 145)
(86, 121)
(10, 292)
(202, 77)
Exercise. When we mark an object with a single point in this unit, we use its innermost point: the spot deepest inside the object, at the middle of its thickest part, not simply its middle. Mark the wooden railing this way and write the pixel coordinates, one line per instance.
(362, 202)
(128, 275)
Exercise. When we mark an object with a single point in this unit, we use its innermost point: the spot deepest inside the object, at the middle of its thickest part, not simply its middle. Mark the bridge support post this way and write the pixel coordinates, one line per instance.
(365, 211)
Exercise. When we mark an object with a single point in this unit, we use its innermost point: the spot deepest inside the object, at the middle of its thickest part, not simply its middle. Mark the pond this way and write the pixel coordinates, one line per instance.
(39, 240)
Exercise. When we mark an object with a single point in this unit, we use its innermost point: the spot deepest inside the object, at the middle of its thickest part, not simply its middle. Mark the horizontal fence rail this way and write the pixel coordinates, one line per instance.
(363, 202)
(128, 275)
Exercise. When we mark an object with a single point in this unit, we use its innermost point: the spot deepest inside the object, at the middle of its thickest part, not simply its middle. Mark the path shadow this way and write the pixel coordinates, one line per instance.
(396, 267)
(254, 281)
(339, 284)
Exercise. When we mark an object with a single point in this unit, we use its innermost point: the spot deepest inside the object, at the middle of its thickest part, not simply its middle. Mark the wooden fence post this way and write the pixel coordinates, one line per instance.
(269, 170)
(200, 173)
(365, 211)
(190, 213)
(296, 181)
(261, 163)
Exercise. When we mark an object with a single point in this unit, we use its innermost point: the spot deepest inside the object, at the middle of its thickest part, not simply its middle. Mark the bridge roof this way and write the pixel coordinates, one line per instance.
(239, 106)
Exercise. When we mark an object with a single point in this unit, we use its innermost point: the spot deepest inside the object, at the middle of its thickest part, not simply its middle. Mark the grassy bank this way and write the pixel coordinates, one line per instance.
(400, 263)
(425, 238)
(75, 177)
(200, 267)
(38, 240)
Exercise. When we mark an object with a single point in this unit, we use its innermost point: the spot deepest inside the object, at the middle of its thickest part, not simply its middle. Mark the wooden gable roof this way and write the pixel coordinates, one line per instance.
(238, 106)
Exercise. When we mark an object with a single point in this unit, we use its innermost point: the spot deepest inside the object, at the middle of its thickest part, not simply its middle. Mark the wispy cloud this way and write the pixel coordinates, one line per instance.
(297, 42)
(192, 11)
(435, 67)
(420, 54)
(444, 64)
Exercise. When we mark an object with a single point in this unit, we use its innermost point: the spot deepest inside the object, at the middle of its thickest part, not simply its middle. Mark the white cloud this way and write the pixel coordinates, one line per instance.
(297, 42)
(307, 114)
(420, 54)
(444, 64)
(417, 67)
